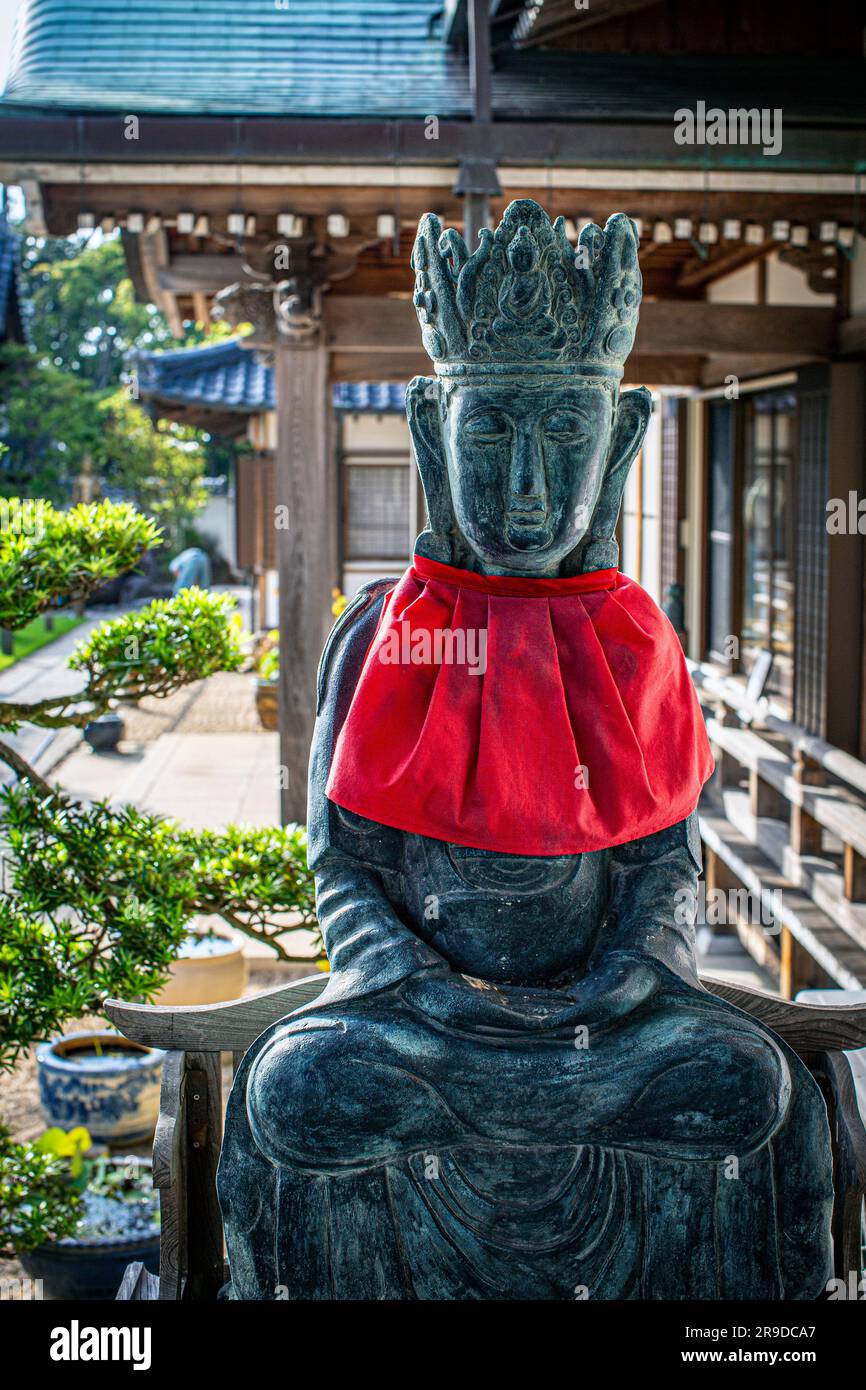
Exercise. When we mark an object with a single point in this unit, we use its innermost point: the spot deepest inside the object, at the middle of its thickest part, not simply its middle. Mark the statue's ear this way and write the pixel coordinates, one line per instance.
(422, 411)
(632, 418)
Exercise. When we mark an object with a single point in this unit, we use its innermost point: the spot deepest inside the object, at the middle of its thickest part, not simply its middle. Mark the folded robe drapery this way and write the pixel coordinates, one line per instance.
(526, 716)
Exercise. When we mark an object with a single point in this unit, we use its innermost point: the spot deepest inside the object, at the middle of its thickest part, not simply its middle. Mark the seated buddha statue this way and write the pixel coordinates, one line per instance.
(514, 1085)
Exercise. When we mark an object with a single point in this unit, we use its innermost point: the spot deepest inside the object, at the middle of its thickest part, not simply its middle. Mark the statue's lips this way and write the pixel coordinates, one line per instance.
(535, 517)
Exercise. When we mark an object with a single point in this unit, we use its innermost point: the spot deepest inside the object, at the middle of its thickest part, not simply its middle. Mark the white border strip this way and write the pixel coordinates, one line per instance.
(427, 176)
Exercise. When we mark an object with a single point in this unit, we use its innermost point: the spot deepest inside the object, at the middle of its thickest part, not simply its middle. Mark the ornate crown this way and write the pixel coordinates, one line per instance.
(526, 297)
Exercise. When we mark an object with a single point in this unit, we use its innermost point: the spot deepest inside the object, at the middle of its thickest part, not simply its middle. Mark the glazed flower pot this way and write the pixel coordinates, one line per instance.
(104, 734)
(209, 968)
(112, 1234)
(101, 1081)
(267, 704)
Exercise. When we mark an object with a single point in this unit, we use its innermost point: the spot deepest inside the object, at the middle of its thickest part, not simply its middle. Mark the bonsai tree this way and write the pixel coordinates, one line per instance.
(96, 900)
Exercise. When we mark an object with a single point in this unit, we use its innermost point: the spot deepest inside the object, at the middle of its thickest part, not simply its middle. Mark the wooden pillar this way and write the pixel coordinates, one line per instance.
(478, 180)
(845, 636)
(306, 522)
(204, 1122)
(805, 830)
(830, 689)
(729, 772)
(853, 874)
(764, 799)
(797, 969)
(480, 68)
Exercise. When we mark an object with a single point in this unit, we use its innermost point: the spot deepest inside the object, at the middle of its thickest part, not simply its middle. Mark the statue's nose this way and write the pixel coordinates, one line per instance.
(527, 470)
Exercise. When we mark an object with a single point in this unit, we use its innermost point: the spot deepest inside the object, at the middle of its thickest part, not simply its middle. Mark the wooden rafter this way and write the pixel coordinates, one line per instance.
(550, 19)
(721, 261)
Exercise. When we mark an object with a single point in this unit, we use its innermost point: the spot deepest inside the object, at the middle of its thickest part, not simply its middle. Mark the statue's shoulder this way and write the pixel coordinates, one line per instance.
(352, 632)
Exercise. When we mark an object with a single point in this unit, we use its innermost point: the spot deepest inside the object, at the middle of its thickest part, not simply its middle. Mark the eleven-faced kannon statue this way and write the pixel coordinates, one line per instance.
(514, 1084)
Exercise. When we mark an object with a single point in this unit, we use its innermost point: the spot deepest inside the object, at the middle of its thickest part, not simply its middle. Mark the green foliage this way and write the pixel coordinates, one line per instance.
(45, 1191)
(84, 315)
(267, 663)
(37, 634)
(68, 1143)
(37, 1201)
(47, 555)
(156, 649)
(49, 420)
(76, 931)
(65, 397)
(254, 877)
(159, 467)
(103, 898)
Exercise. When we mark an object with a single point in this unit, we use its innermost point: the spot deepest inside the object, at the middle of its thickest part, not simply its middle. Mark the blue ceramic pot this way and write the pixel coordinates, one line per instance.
(93, 1266)
(104, 734)
(115, 1095)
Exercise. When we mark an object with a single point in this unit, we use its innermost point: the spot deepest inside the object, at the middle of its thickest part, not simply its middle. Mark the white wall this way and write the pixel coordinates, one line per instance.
(858, 277)
(785, 284)
(788, 285)
(739, 288)
(641, 508)
(217, 520)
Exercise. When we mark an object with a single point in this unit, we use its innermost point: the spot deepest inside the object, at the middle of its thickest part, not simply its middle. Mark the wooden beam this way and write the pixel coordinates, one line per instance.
(201, 309)
(687, 328)
(698, 326)
(847, 444)
(717, 370)
(196, 274)
(479, 58)
(76, 138)
(721, 262)
(306, 488)
(384, 366)
(806, 832)
(543, 23)
(852, 335)
(152, 260)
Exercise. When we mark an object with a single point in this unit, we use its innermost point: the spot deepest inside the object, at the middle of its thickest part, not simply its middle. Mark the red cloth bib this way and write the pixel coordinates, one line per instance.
(571, 725)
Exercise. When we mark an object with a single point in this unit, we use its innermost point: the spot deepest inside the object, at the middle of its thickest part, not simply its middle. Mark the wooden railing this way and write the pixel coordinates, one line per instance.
(785, 817)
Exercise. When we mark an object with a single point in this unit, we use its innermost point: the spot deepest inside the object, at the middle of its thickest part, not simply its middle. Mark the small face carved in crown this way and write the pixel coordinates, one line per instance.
(525, 467)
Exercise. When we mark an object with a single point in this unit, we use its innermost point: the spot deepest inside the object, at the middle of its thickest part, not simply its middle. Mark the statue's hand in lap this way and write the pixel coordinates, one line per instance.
(621, 983)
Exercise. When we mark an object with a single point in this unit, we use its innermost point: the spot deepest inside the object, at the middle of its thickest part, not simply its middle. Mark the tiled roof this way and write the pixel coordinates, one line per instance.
(373, 397)
(306, 57)
(224, 376)
(374, 58)
(227, 376)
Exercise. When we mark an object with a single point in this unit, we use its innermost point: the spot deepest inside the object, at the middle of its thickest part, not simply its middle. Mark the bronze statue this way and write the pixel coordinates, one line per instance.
(514, 1085)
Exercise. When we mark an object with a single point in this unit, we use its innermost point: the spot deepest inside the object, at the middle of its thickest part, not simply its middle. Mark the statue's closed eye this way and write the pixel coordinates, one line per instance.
(568, 426)
(487, 428)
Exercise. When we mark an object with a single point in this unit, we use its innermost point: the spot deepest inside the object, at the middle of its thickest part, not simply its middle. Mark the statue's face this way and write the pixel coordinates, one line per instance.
(526, 467)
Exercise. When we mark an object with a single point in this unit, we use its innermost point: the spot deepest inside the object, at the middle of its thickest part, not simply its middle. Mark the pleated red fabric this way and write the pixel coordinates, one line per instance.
(528, 716)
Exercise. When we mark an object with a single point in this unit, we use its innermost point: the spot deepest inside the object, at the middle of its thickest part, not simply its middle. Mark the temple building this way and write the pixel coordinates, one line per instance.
(269, 164)
(228, 390)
